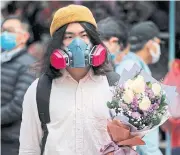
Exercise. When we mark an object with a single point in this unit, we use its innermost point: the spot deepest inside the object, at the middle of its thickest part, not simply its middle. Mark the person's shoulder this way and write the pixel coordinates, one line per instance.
(30, 96)
(32, 87)
(26, 59)
(125, 64)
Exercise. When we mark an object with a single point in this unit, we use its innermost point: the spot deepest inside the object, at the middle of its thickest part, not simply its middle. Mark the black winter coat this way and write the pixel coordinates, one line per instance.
(15, 79)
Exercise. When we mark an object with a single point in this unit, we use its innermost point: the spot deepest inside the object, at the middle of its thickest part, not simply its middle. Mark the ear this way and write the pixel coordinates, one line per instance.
(113, 40)
(157, 40)
(149, 44)
(25, 37)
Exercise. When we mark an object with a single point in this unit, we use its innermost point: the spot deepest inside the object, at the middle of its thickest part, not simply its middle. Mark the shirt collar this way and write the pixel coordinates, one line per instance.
(135, 56)
(139, 61)
(89, 75)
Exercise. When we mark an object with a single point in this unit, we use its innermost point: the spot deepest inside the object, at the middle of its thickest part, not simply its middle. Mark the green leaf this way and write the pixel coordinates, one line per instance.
(156, 121)
(115, 104)
(163, 103)
(109, 105)
(163, 98)
(149, 84)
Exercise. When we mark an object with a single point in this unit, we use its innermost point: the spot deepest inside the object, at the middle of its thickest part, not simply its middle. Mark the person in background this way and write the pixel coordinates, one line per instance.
(144, 49)
(15, 79)
(114, 35)
(173, 124)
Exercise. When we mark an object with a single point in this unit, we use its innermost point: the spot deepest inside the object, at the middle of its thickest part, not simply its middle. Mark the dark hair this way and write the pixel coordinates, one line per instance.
(112, 27)
(56, 43)
(12, 7)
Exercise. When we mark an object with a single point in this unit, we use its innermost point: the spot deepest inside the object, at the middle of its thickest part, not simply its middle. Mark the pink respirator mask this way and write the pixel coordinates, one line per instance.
(60, 59)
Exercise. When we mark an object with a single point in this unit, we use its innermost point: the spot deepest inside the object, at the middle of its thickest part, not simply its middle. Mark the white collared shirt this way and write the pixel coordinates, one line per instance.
(78, 115)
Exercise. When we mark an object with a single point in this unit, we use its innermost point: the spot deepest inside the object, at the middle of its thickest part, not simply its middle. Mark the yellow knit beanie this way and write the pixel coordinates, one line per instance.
(70, 14)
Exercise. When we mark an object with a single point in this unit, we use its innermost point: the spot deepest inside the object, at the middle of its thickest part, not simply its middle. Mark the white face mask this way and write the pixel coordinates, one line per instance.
(155, 54)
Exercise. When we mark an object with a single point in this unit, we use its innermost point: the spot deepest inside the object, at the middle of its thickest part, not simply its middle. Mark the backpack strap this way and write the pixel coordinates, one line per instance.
(42, 98)
(112, 78)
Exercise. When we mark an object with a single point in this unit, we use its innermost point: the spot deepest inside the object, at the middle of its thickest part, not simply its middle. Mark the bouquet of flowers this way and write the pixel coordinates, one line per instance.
(139, 105)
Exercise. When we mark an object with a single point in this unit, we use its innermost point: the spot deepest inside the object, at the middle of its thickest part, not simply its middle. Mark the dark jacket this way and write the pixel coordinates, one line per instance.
(15, 79)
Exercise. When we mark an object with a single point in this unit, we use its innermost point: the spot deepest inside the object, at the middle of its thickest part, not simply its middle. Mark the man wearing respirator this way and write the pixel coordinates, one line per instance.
(75, 64)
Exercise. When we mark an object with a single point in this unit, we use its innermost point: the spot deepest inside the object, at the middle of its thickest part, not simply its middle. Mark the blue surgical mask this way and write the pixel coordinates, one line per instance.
(113, 55)
(79, 51)
(8, 41)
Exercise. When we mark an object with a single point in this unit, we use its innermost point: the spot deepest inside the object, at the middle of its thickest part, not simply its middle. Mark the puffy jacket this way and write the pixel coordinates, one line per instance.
(15, 79)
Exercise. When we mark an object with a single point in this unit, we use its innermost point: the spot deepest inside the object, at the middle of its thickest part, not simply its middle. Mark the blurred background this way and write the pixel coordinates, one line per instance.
(38, 14)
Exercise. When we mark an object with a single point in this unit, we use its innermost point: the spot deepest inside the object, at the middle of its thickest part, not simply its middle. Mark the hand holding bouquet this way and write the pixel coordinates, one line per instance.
(139, 105)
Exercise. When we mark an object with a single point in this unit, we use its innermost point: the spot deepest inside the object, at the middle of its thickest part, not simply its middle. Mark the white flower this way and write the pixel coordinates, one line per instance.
(156, 88)
(128, 84)
(145, 104)
(128, 96)
(138, 85)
